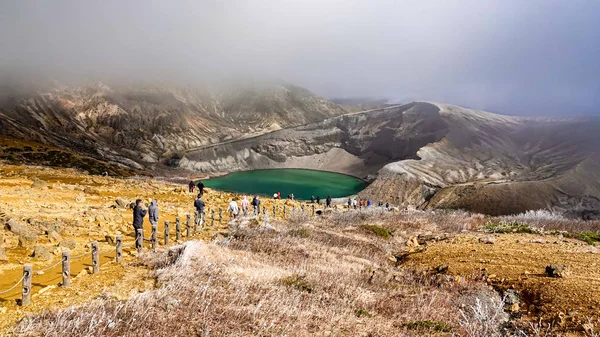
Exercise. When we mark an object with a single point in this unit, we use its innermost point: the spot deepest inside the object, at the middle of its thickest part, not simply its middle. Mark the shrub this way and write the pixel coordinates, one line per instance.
(362, 313)
(300, 232)
(508, 227)
(298, 282)
(428, 325)
(379, 231)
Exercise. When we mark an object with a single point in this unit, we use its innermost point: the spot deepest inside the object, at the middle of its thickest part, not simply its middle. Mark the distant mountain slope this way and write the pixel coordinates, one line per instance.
(140, 124)
(438, 155)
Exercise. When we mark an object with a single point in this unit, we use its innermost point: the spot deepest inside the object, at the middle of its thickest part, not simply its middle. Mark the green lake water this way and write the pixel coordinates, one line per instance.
(302, 183)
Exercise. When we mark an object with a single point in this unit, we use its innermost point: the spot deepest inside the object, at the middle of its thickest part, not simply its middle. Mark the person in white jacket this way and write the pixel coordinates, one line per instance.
(245, 205)
(233, 209)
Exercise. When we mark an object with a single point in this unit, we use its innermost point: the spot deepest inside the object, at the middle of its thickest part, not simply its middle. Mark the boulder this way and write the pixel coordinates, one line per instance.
(54, 237)
(557, 270)
(39, 184)
(487, 240)
(41, 253)
(91, 190)
(27, 240)
(68, 243)
(121, 203)
(15, 227)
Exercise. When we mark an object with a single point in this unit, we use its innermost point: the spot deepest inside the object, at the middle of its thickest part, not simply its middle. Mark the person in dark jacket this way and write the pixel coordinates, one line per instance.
(191, 186)
(312, 199)
(255, 205)
(318, 200)
(153, 213)
(328, 201)
(138, 215)
(201, 188)
(199, 205)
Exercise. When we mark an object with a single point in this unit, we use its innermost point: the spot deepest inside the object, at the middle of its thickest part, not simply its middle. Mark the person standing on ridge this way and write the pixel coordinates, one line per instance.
(153, 213)
(201, 187)
(233, 209)
(369, 203)
(318, 200)
(354, 203)
(244, 204)
(256, 205)
(191, 186)
(349, 203)
(138, 216)
(199, 205)
(328, 201)
(312, 199)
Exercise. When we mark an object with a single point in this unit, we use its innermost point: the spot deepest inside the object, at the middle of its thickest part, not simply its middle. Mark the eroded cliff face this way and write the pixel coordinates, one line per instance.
(358, 144)
(437, 155)
(140, 125)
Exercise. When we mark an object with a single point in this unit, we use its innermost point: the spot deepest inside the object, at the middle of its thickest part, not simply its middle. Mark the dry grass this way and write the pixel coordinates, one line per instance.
(274, 281)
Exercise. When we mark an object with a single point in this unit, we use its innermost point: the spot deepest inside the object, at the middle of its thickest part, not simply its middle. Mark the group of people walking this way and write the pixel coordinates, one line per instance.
(318, 200)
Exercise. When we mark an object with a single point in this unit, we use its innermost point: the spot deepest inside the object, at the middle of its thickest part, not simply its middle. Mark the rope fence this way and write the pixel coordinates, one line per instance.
(189, 231)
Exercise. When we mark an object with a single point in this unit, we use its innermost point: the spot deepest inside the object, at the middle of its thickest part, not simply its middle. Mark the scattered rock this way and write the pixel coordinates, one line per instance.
(121, 203)
(80, 199)
(110, 240)
(412, 242)
(41, 253)
(557, 270)
(54, 237)
(68, 243)
(512, 301)
(487, 240)
(15, 227)
(170, 303)
(537, 241)
(441, 269)
(39, 184)
(91, 190)
(27, 240)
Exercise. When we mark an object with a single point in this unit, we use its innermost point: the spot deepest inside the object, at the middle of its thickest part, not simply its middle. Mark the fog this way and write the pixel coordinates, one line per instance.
(508, 56)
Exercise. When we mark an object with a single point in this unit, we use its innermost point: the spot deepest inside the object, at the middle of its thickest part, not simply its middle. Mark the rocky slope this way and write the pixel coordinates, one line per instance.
(138, 125)
(438, 155)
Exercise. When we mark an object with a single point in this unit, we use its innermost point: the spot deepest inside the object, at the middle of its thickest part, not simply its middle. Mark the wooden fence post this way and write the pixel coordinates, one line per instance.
(139, 240)
(26, 292)
(313, 209)
(196, 220)
(188, 228)
(177, 229)
(302, 206)
(95, 260)
(119, 254)
(220, 215)
(212, 217)
(284, 211)
(153, 237)
(264, 210)
(274, 211)
(66, 268)
(166, 233)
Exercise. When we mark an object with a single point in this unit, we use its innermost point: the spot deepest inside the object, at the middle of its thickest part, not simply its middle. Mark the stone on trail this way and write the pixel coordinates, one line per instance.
(27, 240)
(487, 240)
(15, 227)
(557, 270)
(39, 184)
(54, 237)
(68, 243)
(41, 253)
(121, 203)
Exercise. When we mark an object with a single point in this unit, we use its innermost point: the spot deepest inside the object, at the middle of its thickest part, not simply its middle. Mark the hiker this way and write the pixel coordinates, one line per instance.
(369, 203)
(199, 205)
(292, 196)
(274, 195)
(233, 209)
(354, 203)
(153, 213)
(191, 186)
(387, 205)
(138, 216)
(244, 204)
(278, 195)
(349, 203)
(256, 205)
(200, 187)
(360, 203)
(328, 201)
(318, 200)
(105, 174)
(312, 199)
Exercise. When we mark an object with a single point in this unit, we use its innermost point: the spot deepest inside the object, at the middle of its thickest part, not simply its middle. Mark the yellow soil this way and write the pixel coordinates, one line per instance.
(518, 261)
(84, 222)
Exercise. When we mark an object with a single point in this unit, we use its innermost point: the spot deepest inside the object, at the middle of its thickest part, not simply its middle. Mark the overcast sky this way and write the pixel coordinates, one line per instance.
(514, 57)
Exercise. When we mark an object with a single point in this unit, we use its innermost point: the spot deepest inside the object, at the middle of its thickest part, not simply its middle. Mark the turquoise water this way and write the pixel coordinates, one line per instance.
(302, 183)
